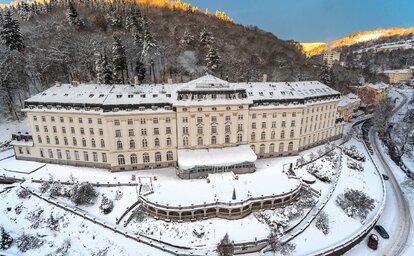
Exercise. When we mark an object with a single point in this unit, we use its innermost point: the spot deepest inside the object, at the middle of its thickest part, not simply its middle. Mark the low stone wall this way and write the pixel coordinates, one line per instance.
(196, 175)
(219, 209)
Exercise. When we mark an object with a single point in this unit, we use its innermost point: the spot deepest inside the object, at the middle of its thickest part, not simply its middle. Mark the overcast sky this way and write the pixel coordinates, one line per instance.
(315, 20)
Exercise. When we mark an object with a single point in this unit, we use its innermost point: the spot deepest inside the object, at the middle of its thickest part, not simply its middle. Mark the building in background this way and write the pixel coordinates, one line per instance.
(399, 75)
(373, 94)
(328, 58)
(129, 127)
(348, 106)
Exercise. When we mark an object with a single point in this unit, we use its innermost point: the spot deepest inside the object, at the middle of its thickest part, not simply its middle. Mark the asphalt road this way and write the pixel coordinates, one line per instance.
(401, 224)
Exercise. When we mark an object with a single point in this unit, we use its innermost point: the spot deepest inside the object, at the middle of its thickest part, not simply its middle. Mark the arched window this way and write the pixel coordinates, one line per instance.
(185, 141)
(213, 140)
(84, 142)
(65, 140)
(134, 159)
(121, 160)
(39, 139)
(253, 136)
(47, 140)
(132, 144)
(292, 133)
(271, 148)
(145, 158)
(262, 148)
(273, 135)
(144, 143)
(119, 144)
(170, 156)
(200, 141)
(290, 146)
(73, 140)
(253, 148)
(281, 147)
(157, 157)
(102, 143)
(239, 137)
(263, 136)
(168, 141)
(157, 142)
(282, 134)
(227, 139)
(93, 143)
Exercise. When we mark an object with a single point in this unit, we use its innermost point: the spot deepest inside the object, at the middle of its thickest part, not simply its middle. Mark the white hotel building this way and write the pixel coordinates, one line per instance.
(205, 125)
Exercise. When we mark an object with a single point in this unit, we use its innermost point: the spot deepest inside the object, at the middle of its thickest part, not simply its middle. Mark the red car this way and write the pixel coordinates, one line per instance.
(373, 242)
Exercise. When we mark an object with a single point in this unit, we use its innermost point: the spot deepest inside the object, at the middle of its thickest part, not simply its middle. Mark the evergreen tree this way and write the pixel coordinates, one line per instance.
(225, 247)
(119, 61)
(117, 21)
(10, 33)
(150, 52)
(5, 240)
(139, 70)
(206, 38)
(213, 60)
(326, 75)
(103, 69)
(72, 16)
(187, 38)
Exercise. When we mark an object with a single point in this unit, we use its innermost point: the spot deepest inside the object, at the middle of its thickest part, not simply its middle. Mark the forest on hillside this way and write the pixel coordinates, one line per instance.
(96, 41)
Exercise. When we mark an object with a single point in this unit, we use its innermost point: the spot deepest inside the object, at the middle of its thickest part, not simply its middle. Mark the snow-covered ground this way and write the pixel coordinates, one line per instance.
(342, 227)
(7, 128)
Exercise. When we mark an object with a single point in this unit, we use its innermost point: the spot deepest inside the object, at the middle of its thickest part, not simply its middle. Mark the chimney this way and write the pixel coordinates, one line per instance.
(74, 83)
(264, 78)
(136, 80)
(58, 83)
(170, 81)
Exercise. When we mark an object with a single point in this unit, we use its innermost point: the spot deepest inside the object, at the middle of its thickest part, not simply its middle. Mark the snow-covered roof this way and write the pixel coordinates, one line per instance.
(188, 158)
(398, 71)
(378, 86)
(348, 99)
(97, 95)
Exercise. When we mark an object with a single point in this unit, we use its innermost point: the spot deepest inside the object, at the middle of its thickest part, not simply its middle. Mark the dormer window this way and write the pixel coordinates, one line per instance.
(119, 96)
(91, 95)
(130, 96)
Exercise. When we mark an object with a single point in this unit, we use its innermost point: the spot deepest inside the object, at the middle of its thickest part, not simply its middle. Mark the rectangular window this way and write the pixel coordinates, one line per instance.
(228, 118)
(185, 130)
(199, 119)
(80, 120)
(155, 120)
(168, 120)
(263, 124)
(99, 121)
(185, 119)
(59, 153)
(45, 129)
(89, 120)
(253, 116)
(50, 153)
(54, 129)
(142, 120)
(130, 121)
(118, 133)
(253, 125)
(143, 131)
(100, 131)
(64, 130)
(116, 122)
(62, 120)
(273, 124)
(91, 131)
(200, 130)
(77, 155)
(72, 130)
(284, 114)
(264, 115)
(95, 156)
(227, 128)
(85, 156)
(283, 123)
(70, 119)
(292, 123)
(168, 130)
(104, 157)
(214, 129)
(37, 128)
(82, 130)
(240, 117)
(52, 118)
(156, 131)
(43, 119)
(42, 154)
(131, 132)
(240, 127)
(67, 154)
(214, 119)
(34, 118)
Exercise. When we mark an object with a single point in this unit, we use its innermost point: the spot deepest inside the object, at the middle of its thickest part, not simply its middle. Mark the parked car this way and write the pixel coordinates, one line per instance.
(385, 177)
(373, 242)
(382, 232)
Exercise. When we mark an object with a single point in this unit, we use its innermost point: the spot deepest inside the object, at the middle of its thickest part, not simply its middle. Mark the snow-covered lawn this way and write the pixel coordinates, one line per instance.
(8, 127)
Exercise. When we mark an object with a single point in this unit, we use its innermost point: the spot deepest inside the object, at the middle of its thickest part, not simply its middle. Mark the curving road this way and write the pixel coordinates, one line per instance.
(401, 223)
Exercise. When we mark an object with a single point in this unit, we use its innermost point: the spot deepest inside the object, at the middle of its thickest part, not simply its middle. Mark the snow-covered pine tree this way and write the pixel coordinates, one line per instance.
(225, 247)
(187, 38)
(150, 52)
(119, 61)
(10, 35)
(53, 223)
(5, 239)
(213, 60)
(206, 38)
(72, 15)
(322, 222)
(139, 70)
(103, 69)
(117, 21)
(326, 75)
(106, 205)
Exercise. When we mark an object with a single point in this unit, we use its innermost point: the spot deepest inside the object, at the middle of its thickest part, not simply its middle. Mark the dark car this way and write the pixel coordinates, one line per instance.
(381, 230)
(385, 177)
(373, 242)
